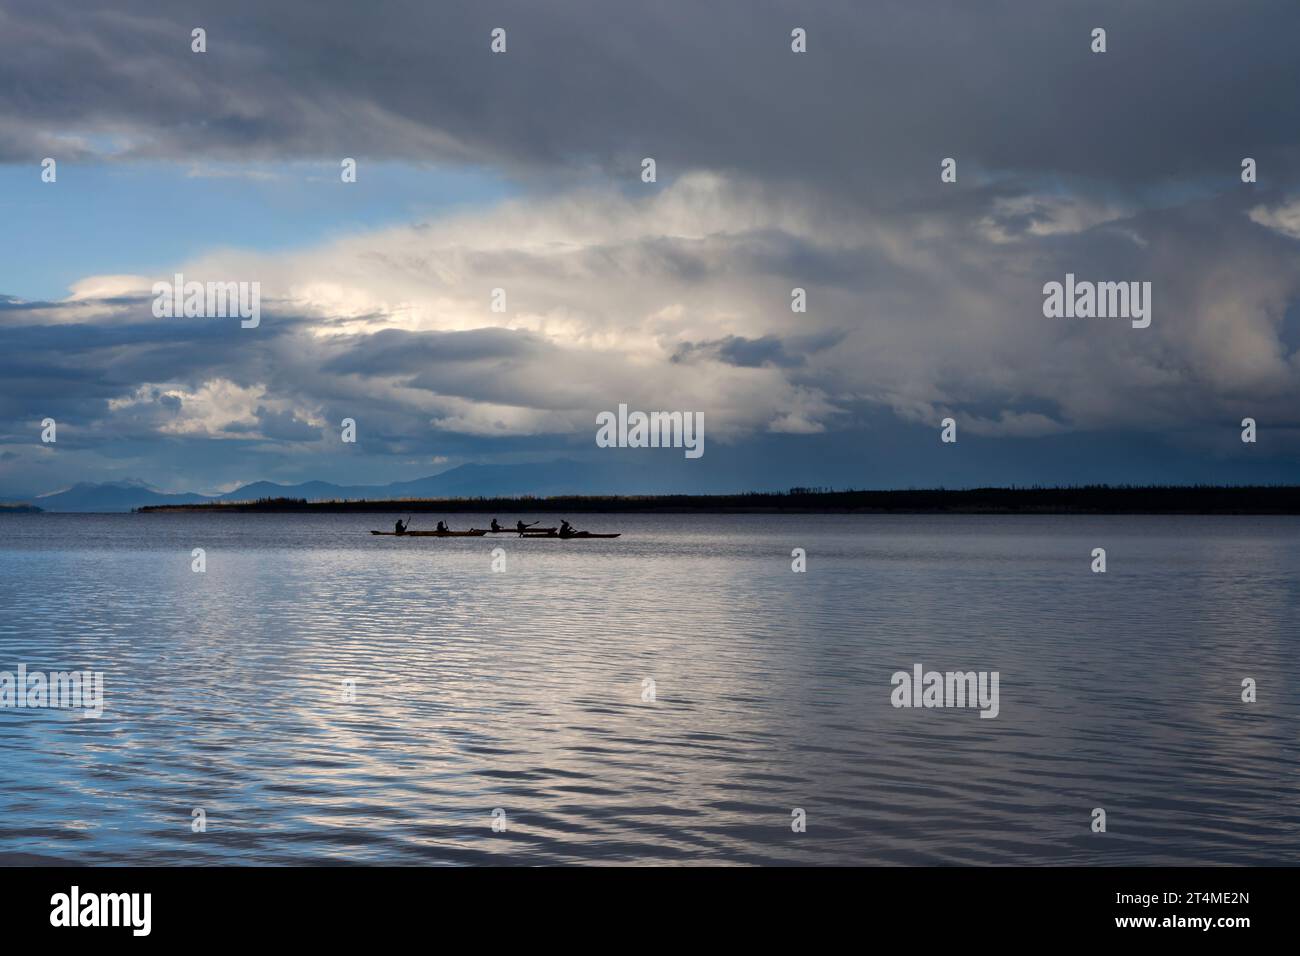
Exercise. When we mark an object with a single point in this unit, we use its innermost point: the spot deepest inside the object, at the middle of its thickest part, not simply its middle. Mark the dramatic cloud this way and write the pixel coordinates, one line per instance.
(777, 171)
(886, 90)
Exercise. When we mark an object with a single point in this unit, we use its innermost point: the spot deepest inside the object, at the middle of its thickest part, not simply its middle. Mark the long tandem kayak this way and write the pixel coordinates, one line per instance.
(433, 534)
(567, 537)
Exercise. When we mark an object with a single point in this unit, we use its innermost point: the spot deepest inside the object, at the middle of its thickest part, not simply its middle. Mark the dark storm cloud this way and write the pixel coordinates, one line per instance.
(396, 351)
(73, 371)
(744, 352)
(1185, 90)
(75, 368)
(284, 426)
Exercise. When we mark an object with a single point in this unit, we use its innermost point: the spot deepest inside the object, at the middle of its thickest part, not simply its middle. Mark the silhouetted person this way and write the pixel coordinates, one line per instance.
(495, 526)
(399, 528)
(442, 526)
(566, 529)
(521, 527)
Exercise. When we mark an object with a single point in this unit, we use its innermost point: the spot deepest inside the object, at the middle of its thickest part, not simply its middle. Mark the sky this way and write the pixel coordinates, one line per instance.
(775, 170)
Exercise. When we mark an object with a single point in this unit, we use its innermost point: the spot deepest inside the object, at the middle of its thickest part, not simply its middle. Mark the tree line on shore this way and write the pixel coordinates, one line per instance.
(1084, 499)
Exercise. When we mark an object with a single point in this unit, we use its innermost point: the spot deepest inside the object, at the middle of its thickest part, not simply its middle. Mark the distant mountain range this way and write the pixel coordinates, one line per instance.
(465, 481)
(111, 496)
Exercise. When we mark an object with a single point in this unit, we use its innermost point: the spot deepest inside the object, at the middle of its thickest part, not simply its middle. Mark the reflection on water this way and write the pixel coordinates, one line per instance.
(523, 690)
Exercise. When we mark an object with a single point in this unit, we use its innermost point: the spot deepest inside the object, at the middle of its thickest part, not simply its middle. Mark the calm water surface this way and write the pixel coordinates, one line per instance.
(522, 690)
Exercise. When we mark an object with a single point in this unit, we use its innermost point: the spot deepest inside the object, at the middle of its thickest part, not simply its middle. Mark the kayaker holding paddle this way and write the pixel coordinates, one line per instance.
(566, 529)
(400, 528)
(442, 526)
(521, 527)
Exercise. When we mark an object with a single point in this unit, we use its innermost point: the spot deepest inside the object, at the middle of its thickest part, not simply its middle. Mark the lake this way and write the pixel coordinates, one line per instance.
(319, 695)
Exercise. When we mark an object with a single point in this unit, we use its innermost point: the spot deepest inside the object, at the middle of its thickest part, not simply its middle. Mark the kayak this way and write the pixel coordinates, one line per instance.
(576, 534)
(433, 534)
(525, 531)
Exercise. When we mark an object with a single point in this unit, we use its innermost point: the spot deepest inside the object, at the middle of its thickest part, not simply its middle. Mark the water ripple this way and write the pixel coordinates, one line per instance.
(523, 692)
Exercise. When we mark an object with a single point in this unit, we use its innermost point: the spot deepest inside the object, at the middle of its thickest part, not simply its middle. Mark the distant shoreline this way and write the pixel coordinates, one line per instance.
(1092, 499)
